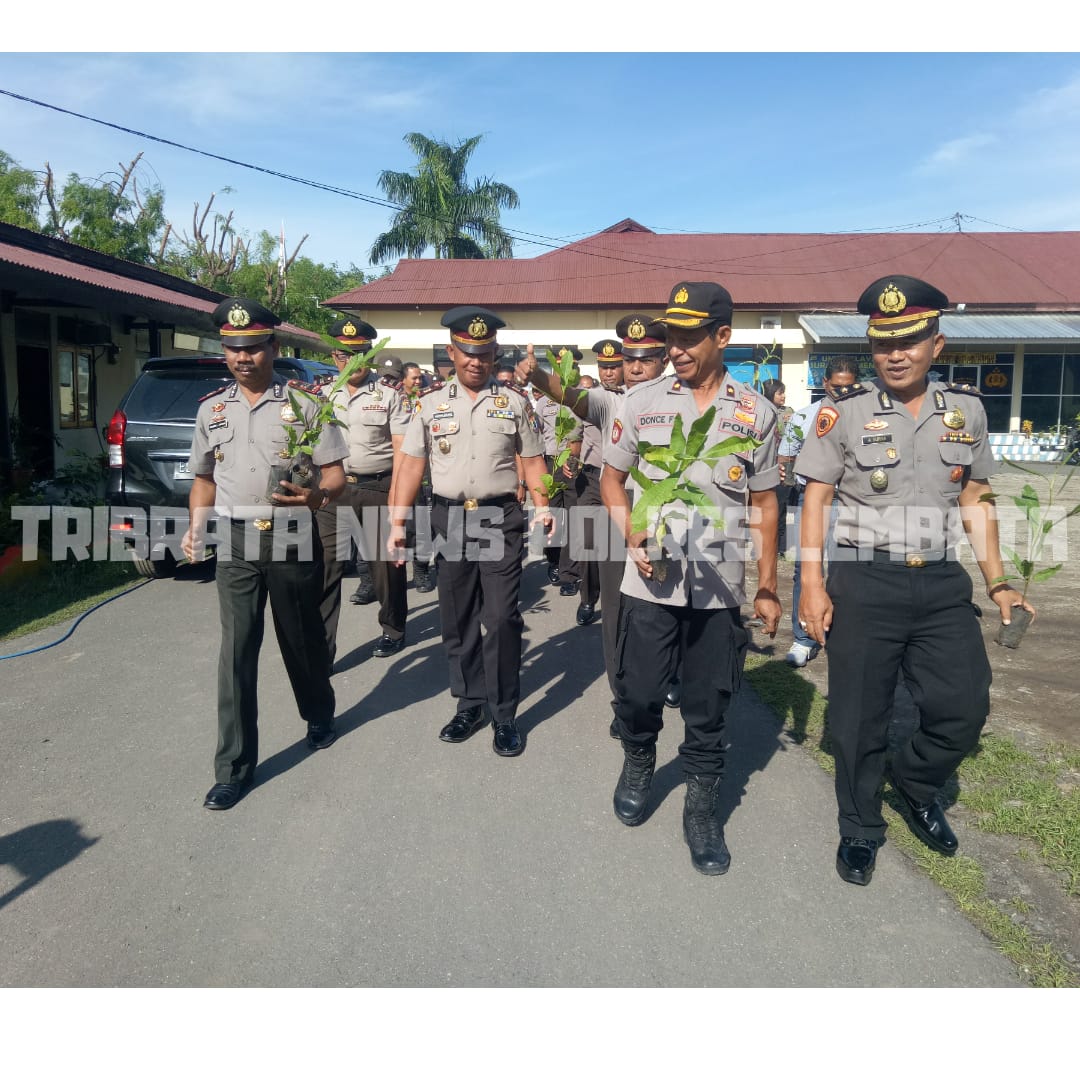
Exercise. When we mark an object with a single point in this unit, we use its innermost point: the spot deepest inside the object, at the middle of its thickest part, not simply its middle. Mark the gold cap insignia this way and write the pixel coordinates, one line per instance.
(608, 350)
(891, 300)
(682, 296)
(348, 330)
(636, 330)
(238, 316)
(478, 328)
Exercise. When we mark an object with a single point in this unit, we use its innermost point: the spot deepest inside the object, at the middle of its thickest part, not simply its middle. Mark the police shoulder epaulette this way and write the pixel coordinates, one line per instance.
(391, 381)
(429, 389)
(963, 388)
(842, 393)
(214, 393)
(303, 387)
(517, 389)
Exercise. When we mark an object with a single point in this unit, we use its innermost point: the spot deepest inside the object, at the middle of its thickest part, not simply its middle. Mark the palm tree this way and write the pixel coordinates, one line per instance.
(441, 209)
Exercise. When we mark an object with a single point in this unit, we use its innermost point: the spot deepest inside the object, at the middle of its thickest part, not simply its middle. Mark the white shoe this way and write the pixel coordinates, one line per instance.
(799, 654)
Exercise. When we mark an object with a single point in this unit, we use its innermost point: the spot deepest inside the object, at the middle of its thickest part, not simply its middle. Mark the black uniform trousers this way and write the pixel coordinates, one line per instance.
(293, 587)
(558, 555)
(588, 495)
(653, 639)
(391, 582)
(478, 587)
(889, 617)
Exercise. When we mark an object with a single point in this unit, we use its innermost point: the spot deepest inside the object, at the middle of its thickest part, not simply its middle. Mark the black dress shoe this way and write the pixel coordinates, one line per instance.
(320, 736)
(929, 824)
(569, 588)
(674, 695)
(855, 859)
(586, 613)
(507, 741)
(466, 722)
(553, 574)
(387, 646)
(225, 796)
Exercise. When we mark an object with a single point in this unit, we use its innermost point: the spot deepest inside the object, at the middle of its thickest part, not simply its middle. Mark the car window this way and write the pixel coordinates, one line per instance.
(172, 395)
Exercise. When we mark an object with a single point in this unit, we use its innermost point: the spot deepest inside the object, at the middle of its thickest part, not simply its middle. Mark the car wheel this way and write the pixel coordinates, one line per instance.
(156, 568)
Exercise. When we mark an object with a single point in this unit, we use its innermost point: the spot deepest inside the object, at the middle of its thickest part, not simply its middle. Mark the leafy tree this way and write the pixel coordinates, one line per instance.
(111, 216)
(440, 209)
(20, 194)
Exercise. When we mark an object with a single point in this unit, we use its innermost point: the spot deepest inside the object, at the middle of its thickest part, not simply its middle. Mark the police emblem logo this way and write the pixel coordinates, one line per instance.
(218, 407)
(957, 474)
(826, 420)
(876, 425)
(478, 328)
(636, 330)
(239, 316)
(734, 473)
(348, 330)
(287, 414)
(608, 350)
(891, 453)
(891, 300)
(376, 394)
(444, 446)
(501, 401)
(218, 455)
(879, 479)
(954, 419)
(682, 296)
(436, 428)
(616, 431)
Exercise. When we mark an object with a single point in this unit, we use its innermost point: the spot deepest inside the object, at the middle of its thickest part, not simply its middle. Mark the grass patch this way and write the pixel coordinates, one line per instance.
(1008, 790)
(34, 596)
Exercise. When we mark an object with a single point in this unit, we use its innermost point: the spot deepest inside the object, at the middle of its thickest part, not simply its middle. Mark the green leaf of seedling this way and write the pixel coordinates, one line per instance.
(1015, 559)
(1046, 573)
(678, 439)
(736, 444)
(694, 496)
(990, 496)
(561, 458)
(699, 432)
(663, 457)
(1027, 568)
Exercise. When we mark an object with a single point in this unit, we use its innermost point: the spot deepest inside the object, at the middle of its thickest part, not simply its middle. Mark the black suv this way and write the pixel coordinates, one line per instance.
(149, 436)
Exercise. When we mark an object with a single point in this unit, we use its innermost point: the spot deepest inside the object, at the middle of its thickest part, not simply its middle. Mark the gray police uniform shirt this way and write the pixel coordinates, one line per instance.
(549, 412)
(471, 444)
(712, 571)
(898, 477)
(602, 407)
(374, 411)
(237, 443)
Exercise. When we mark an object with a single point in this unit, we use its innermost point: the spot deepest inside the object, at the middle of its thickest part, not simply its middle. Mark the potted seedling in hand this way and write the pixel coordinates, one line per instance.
(1040, 519)
(565, 422)
(659, 502)
(302, 434)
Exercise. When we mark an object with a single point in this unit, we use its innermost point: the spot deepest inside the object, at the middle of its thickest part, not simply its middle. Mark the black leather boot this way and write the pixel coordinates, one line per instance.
(635, 780)
(701, 826)
(365, 589)
(423, 577)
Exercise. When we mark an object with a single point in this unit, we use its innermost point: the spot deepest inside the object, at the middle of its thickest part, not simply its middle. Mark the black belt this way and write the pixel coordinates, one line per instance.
(591, 469)
(472, 504)
(913, 559)
(358, 478)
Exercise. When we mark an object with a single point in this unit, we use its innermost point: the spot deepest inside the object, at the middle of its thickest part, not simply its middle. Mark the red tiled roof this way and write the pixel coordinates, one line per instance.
(115, 281)
(631, 268)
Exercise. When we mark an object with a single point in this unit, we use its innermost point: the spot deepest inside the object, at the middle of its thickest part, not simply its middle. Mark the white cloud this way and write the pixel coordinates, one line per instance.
(956, 152)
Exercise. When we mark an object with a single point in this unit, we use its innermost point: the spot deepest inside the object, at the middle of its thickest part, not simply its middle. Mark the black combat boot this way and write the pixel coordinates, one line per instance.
(423, 577)
(701, 826)
(632, 790)
(365, 590)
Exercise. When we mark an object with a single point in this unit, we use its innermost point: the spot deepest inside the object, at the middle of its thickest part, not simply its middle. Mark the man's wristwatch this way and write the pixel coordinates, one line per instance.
(325, 498)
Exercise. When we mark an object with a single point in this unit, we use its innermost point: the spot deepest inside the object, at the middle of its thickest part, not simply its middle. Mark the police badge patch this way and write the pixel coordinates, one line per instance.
(826, 420)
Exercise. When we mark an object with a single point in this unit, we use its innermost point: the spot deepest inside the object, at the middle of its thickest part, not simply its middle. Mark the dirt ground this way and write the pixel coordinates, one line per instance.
(1034, 698)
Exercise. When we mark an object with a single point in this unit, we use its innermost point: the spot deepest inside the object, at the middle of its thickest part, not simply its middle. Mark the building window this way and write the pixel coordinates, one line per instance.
(1051, 390)
(76, 387)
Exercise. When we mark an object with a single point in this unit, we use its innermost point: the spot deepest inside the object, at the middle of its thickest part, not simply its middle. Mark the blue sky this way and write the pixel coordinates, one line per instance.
(697, 142)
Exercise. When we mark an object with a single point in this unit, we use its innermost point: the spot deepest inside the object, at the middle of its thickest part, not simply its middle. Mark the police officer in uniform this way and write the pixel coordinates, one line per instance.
(692, 614)
(474, 430)
(240, 433)
(376, 414)
(908, 457)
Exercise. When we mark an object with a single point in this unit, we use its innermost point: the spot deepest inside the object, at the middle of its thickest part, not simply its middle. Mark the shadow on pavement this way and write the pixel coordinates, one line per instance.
(38, 850)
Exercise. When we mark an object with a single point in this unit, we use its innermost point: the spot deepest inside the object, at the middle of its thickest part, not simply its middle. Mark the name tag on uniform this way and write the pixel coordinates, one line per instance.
(737, 427)
(373, 408)
(868, 439)
(442, 414)
(502, 414)
(655, 419)
(219, 423)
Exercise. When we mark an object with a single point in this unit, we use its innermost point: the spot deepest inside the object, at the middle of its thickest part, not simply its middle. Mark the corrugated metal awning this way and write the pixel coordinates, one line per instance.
(1042, 329)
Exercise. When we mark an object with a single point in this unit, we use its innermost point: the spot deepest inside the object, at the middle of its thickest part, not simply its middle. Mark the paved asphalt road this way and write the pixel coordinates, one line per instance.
(392, 859)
